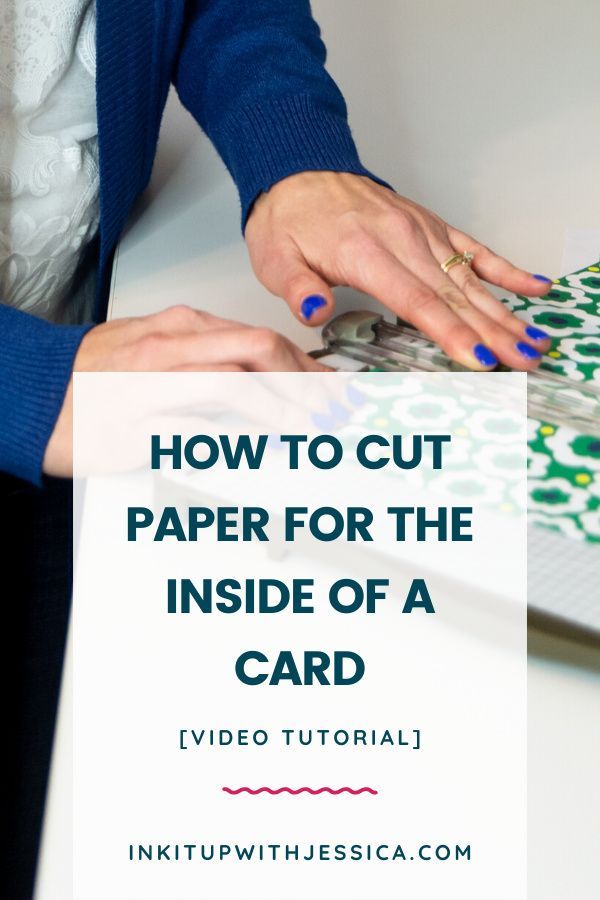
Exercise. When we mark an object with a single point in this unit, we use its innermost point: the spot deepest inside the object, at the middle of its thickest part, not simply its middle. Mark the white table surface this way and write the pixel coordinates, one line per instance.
(487, 112)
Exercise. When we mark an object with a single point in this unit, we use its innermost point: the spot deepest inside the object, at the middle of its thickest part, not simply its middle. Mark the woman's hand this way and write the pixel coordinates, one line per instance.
(178, 339)
(316, 230)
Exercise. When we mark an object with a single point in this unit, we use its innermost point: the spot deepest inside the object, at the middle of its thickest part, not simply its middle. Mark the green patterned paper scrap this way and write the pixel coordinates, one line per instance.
(564, 465)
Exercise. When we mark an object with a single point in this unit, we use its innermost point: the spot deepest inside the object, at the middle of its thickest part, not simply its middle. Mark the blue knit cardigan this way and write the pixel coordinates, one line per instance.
(252, 74)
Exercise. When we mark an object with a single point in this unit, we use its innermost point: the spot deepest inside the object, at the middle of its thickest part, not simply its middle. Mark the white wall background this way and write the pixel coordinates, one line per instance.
(484, 110)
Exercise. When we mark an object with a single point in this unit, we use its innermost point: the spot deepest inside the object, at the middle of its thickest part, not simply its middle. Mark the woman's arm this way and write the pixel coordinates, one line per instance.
(36, 361)
(253, 75)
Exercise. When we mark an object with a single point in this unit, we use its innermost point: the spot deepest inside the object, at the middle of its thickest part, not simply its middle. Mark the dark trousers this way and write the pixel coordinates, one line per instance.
(36, 594)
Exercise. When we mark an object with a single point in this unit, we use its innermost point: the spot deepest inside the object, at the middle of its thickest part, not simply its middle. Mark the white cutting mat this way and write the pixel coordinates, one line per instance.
(564, 578)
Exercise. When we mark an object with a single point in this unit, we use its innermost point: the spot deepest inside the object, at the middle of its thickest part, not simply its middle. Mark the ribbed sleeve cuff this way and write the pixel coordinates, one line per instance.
(263, 144)
(36, 360)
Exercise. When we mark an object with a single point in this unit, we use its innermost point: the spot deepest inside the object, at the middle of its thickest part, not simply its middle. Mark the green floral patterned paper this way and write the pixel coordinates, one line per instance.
(564, 465)
(484, 462)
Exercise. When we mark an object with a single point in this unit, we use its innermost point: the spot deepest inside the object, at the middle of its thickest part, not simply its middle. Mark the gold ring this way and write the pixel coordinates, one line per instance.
(457, 259)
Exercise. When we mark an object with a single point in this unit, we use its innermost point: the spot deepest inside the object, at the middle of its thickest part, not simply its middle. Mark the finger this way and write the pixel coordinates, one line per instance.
(256, 349)
(485, 301)
(322, 401)
(160, 350)
(328, 399)
(506, 336)
(505, 344)
(307, 294)
(497, 270)
(517, 343)
(383, 276)
(182, 319)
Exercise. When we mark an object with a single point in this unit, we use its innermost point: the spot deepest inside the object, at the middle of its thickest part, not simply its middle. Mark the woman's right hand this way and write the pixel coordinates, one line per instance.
(178, 339)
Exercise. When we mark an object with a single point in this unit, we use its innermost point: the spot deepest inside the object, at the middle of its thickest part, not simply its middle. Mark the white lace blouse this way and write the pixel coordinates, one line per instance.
(49, 177)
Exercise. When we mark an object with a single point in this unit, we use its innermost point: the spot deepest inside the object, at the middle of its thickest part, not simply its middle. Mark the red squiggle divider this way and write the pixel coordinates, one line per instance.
(306, 790)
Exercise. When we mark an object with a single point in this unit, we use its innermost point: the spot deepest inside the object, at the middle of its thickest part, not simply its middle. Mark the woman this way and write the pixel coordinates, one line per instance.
(82, 89)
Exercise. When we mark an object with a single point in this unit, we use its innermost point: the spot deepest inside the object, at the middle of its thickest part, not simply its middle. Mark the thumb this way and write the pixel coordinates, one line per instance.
(308, 295)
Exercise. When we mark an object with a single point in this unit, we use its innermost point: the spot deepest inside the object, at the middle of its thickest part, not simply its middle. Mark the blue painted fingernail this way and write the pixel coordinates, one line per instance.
(527, 351)
(311, 304)
(323, 422)
(536, 334)
(355, 396)
(543, 278)
(484, 355)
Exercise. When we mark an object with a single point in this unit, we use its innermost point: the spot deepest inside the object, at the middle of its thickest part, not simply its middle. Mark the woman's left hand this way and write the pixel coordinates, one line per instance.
(316, 230)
